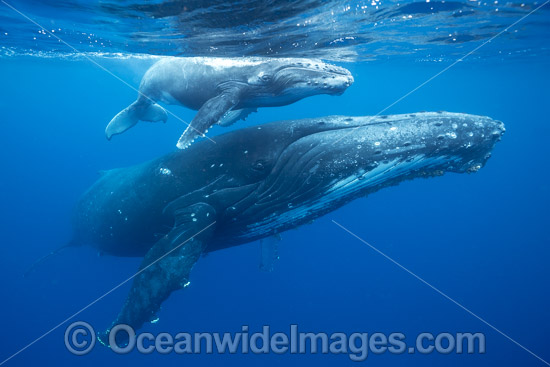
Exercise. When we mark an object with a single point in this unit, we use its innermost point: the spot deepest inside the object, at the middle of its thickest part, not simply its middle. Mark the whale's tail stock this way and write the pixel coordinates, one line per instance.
(141, 109)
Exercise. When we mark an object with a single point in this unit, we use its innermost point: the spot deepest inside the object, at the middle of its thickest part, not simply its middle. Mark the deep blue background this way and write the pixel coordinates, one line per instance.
(482, 239)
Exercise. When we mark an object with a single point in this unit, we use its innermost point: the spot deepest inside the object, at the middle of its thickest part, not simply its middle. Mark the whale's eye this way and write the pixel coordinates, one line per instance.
(265, 77)
(259, 165)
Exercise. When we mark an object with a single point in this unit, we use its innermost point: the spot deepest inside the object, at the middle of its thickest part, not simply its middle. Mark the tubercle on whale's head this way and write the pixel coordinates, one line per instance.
(302, 78)
(436, 141)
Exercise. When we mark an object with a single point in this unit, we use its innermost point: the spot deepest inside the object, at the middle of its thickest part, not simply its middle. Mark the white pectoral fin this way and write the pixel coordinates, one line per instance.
(132, 114)
(209, 114)
(232, 116)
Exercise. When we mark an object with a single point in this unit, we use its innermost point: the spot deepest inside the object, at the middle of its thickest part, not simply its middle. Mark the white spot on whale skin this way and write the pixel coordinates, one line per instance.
(165, 171)
(393, 128)
(376, 143)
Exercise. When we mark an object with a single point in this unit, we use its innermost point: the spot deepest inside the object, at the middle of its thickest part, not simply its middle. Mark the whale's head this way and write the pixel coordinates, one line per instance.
(310, 167)
(284, 81)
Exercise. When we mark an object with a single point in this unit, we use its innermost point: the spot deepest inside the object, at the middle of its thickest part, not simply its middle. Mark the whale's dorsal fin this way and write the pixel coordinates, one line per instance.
(167, 265)
(209, 114)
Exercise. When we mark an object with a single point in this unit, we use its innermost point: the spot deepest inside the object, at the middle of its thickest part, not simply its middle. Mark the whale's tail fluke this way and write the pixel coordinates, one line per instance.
(135, 112)
(47, 256)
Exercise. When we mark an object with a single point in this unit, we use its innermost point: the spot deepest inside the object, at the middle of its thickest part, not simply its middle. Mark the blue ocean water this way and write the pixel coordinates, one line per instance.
(481, 238)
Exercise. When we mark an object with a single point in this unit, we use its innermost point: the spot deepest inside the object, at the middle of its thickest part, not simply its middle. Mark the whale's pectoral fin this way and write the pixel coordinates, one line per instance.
(232, 116)
(166, 267)
(269, 253)
(209, 114)
(128, 117)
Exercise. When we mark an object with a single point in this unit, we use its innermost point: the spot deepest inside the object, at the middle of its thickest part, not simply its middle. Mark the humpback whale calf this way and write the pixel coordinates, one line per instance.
(225, 90)
(260, 181)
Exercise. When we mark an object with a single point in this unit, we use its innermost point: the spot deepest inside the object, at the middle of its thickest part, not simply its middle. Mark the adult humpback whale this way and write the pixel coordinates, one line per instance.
(260, 181)
(225, 90)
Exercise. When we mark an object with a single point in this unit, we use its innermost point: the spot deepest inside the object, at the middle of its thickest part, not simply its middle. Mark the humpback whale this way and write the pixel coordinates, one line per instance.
(225, 90)
(260, 181)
